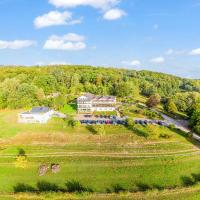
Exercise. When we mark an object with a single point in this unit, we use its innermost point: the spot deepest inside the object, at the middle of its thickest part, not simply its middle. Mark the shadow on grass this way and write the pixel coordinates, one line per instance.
(91, 129)
(140, 132)
(187, 136)
(190, 180)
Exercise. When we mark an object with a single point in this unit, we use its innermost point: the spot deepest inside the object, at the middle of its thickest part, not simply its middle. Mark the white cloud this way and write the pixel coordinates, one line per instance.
(114, 14)
(132, 63)
(195, 52)
(135, 63)
(16, 44)
(156, 26)
(55, 18)
(69, 41)
(60, 63)
(169, 52)
(158, 60)
(42, 63)
(100, 4)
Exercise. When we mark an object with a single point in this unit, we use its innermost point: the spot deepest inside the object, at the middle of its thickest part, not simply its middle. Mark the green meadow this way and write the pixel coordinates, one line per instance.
(121, 164)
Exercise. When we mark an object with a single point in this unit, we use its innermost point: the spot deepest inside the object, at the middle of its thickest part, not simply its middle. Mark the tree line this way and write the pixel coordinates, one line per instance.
(22, 87)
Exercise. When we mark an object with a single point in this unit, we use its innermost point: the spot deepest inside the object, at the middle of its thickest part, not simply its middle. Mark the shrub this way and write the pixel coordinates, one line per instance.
(21, 152)
(75, 186)
(187, 181)
(117, 188)
(73, 123)
(44, 186)
(142, 187)
(172, 126)
(196, 177)
(21, 187)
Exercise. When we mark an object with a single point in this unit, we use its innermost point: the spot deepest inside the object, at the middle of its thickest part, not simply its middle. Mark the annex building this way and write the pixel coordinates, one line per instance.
(36, 115)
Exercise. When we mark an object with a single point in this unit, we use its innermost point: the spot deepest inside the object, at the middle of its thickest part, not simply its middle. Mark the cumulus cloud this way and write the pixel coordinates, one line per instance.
(16, 44)
(114, 14)
(54, 18)
(195, 52)
(169, 52)
(108, 7)
(158, 60)
(132, 63)
(156, 26)
(135, 63)
(100, 4)
(69, 41)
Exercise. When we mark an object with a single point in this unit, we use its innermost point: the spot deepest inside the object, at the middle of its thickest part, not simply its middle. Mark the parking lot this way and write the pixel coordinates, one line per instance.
(113, 120)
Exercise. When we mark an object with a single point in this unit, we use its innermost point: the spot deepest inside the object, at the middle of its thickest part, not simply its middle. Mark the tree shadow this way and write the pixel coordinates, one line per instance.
(187, 136)
(92, 130)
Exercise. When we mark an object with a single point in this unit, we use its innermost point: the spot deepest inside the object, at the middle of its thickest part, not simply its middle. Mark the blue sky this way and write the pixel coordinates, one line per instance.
(155, 35)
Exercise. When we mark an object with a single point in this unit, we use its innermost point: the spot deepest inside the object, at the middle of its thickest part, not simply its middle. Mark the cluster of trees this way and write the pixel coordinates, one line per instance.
(26, 87)
(195, 117)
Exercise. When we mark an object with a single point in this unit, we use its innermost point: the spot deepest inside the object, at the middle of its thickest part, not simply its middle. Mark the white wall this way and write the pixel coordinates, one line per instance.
(35, 118)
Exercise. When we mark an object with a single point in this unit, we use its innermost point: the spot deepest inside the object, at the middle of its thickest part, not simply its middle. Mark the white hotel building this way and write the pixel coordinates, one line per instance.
(89, 103)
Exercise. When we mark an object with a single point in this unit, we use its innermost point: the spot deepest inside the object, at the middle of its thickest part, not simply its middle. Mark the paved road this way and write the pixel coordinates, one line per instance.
(181, 124)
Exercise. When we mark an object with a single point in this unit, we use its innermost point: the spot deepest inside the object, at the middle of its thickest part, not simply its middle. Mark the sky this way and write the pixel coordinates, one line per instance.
(154, 35)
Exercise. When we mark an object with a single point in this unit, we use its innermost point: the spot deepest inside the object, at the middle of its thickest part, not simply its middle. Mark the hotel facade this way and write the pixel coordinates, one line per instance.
(89, 103)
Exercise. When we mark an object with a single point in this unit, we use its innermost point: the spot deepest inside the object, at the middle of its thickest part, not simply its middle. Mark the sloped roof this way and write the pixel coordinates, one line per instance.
(90, 97)
(38, 110)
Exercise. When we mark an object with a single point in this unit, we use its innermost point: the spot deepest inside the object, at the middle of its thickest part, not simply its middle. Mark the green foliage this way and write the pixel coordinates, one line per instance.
(171, 107)
(44, 186)
(75, 186)
(153, 100)
(130, 124)
(25, 87)
(21, 187)
(73, 123)
(195, 117)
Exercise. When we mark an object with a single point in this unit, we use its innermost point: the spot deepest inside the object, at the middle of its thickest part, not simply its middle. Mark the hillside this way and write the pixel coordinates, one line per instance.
(110, 161)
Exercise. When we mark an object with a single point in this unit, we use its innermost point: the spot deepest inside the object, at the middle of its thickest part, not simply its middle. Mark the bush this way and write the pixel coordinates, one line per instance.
(187, 181)
(172, 126)
(117, 188)
(73, 123)
(44, 186)
(75, 186)
(21, 152)
(142, 187)
(21, 187)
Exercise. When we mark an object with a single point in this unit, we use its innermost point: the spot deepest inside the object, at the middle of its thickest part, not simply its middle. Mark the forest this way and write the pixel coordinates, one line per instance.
(54, 86)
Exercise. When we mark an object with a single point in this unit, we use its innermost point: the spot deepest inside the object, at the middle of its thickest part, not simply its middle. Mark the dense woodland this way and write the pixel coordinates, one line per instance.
(23, 87)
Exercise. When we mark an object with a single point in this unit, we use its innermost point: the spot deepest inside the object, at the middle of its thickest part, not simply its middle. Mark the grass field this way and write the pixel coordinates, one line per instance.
(100, 162)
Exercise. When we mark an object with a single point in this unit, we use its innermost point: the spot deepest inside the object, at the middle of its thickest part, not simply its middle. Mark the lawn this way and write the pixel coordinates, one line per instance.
(69, 109)
(99, 162)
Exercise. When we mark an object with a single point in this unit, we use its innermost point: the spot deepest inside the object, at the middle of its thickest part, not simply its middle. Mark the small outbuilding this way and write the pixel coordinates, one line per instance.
(39, 115)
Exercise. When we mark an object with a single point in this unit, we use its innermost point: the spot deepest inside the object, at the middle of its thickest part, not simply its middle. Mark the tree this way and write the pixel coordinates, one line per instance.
(47, 82)
(73, 123)
(126, 89)
(153, 100)
(195, 118)
(130, 124)
(100, 130)
(171, 107)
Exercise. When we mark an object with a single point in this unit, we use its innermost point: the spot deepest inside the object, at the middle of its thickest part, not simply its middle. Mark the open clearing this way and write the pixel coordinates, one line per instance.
(96, 161)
